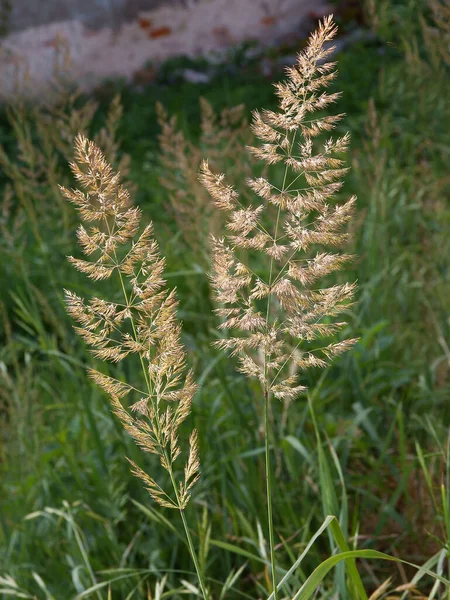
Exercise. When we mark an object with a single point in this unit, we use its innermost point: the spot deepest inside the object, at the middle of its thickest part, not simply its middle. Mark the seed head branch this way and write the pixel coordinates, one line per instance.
(277, 248)
(145, 324)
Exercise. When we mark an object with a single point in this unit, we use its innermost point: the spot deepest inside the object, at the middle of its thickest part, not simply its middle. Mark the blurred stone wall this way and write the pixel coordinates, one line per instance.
(24, 14)
(116, 38)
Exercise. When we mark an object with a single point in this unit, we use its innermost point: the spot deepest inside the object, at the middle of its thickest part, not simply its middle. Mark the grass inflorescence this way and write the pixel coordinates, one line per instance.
(367, 442)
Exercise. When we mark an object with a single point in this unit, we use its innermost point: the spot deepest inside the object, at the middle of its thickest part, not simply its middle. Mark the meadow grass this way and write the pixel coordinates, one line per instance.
(374, 451)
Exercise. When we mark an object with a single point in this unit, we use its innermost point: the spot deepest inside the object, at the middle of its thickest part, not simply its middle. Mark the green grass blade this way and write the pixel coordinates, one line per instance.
(318, 575)
(297, 563)
(237, 550)
(159, 518)
(354, 575)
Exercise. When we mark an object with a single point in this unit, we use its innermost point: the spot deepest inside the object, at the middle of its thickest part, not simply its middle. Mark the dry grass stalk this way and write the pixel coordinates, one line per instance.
(264, 274)
(277, 309)
(144, 323)
(223, 138)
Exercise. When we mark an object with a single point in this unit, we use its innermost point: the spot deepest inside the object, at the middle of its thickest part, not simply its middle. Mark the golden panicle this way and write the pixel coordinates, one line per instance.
(265, 269)
(144, 323)
(223, 195)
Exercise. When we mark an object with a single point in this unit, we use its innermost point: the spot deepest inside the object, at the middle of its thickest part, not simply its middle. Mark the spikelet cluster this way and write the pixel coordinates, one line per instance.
(266, 268)
(143, 323)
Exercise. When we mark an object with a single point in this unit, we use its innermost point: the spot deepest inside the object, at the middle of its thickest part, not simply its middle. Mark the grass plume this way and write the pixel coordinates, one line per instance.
(266, 268)
(276, 305)
(144, 323)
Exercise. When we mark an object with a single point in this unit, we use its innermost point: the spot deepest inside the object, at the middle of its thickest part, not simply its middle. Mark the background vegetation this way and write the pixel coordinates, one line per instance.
(376, 455)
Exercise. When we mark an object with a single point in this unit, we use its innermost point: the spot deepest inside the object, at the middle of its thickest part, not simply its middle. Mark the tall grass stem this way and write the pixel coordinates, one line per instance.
(269, 491)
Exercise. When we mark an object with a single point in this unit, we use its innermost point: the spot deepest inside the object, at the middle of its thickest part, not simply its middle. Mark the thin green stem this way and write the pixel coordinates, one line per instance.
(266, 412)
(194, 556)
(269, 492)
(189, 539)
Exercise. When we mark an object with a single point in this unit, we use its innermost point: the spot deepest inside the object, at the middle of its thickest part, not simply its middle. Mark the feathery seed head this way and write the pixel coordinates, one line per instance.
(274, 308)
(144, 324)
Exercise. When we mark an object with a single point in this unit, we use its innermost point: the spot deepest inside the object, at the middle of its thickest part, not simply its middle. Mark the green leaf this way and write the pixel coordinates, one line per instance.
(318, 575)
(297, 563)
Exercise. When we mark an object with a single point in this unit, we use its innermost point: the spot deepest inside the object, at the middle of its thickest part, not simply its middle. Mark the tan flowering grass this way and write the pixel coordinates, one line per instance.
(267, 267)
(265, 274)
(277, 308)
(144, 323)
